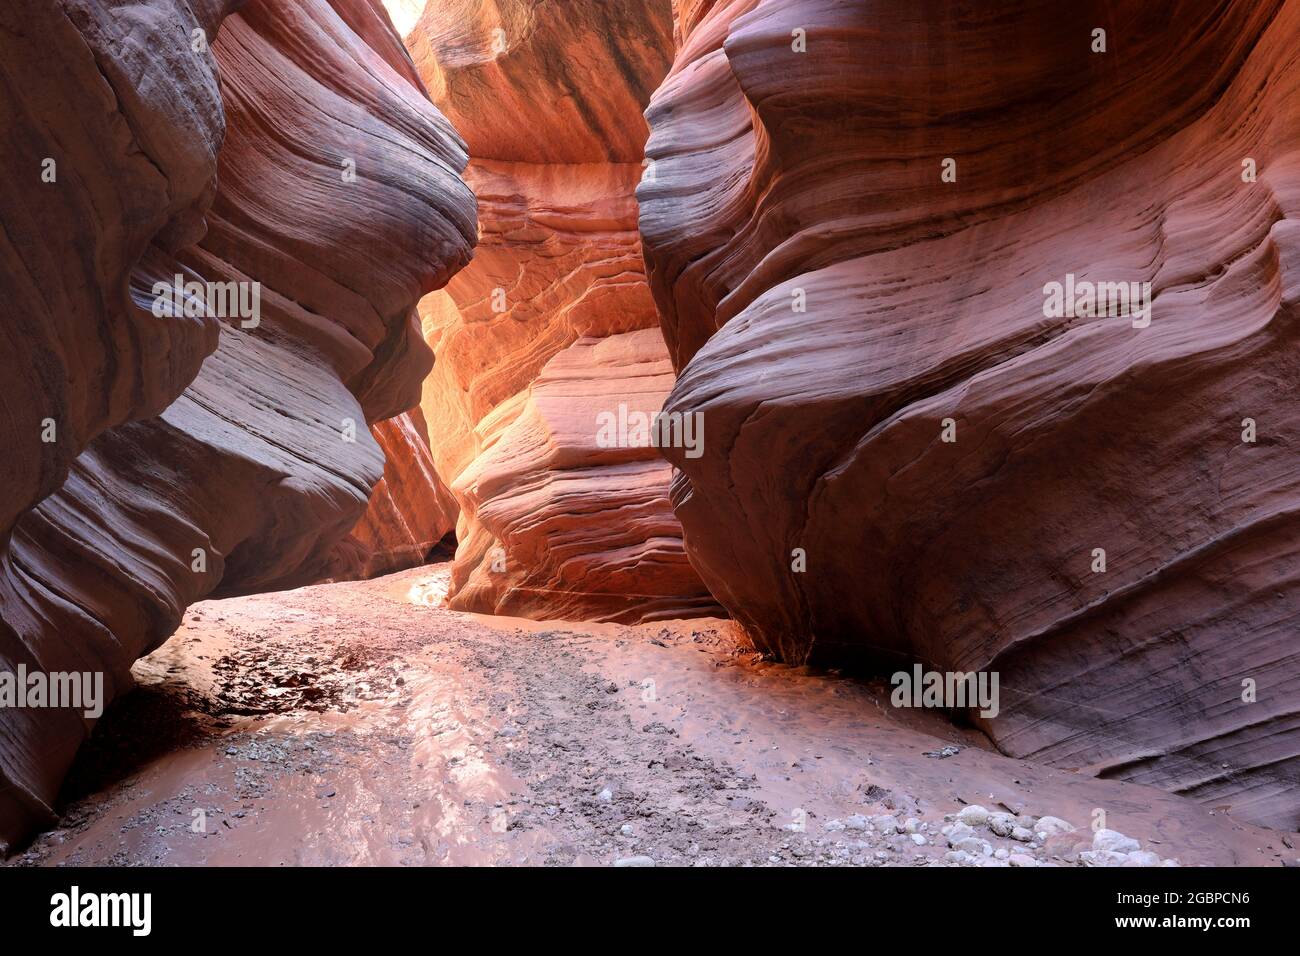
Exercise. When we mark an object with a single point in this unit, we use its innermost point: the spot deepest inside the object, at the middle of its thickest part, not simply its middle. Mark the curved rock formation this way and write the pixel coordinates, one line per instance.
(289, 152)
(891, 398)
(551, 524)
(411, 512)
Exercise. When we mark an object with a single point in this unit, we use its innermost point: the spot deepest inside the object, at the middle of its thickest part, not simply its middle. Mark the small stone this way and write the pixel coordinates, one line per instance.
(626, 829)
(605, 796)
(1021, 859)
(912, 825)
(1142, 858)
(856, 822)
(1001, 854)
(973, 816)
(958, 832)
(1114, 842)
(1050, 826)
(974, 846)
(1022, 835)
(957, 856)
(918, 839)
(634, 861)
(886, 824)
(835, 825)
(1002, 824)
(1102, 858)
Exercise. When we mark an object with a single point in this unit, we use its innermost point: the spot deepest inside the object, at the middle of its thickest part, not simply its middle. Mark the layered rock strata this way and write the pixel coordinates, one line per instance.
(168, 449)
(857, 220)
(551, 522)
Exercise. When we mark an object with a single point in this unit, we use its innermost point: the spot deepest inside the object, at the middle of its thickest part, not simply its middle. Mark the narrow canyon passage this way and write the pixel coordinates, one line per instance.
(584, 432)
(364, 723)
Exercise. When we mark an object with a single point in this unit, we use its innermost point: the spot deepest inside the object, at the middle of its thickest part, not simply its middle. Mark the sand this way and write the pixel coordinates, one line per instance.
(363, 723)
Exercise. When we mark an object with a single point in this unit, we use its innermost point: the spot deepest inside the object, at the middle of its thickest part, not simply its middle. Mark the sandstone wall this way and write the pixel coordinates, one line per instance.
(831, 304)
(193, 456)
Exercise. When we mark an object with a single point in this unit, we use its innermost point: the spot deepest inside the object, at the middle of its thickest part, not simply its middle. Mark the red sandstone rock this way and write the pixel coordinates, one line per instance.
(568, 524)
(521, 370)
(411, 511)
(786, 177)
(251, 478)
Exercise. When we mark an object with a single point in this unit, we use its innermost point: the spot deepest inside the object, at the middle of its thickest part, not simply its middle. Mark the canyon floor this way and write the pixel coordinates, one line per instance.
(363, 723)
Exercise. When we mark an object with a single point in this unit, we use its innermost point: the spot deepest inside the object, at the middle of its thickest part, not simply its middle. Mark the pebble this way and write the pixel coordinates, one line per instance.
(974, 846)
(1050, 826)
(635, 861)
(973, 816)
(1142, 858)
(957, 832)
(856, 822)
(1114, 842)
(1003, 824)
(1021, 835)
(886, 824)
(605, 795)
(918, 839)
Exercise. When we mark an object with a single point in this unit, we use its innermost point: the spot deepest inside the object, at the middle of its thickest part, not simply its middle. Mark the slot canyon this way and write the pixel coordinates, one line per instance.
(612, 432)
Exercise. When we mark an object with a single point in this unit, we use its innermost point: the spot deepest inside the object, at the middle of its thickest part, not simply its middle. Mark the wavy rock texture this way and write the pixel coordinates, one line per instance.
(550, 524)
(251, 478)
(411, 512)
(786, 177)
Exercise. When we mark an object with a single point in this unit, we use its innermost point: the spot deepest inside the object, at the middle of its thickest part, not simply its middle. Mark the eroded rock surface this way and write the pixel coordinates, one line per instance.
(551, 523)
(833, 304)
(286, 150)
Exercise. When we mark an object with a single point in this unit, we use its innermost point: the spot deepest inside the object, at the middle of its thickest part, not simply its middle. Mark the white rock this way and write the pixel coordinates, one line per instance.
(1142, 858)
(885, 824)
(1001, 854)
(974, 846)
(957, 856)
(1021, 859)
(1102, 858)
(1022, 835)
(637, 861)
(625, 829)
(918, 839)
(973, 816)
(834, 824)
(605, 795)
(912, 825)
(1050, 826)
(958, 832)
(857, 822)
(1002, 824)
(1114, 842)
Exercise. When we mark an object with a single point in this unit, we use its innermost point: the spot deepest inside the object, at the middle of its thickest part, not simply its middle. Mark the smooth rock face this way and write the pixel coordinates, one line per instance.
(411, 512)
(174, 477)
(552, 481)
(832, 305)
(531, 338)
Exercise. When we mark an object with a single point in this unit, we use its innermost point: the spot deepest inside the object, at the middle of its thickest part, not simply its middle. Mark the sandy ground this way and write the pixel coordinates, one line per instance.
(363, 723)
